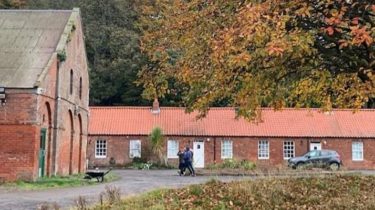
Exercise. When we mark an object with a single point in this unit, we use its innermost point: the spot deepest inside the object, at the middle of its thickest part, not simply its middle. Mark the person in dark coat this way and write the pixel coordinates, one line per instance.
(188, 159)
(181, 163)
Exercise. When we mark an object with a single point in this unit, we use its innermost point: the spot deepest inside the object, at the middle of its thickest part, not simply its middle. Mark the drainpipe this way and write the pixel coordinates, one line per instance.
(55, 120)
(214, 149)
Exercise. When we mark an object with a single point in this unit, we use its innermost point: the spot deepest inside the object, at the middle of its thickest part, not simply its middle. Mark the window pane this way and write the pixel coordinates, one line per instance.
(172, 149)
(134, 148)
(101, 149)
(288, 149)
(226, 149)
(263, 149)
(357, 150)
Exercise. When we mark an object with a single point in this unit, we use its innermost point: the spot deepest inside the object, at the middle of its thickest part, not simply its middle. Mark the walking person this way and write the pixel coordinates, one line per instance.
(188, 159)
(181, 165)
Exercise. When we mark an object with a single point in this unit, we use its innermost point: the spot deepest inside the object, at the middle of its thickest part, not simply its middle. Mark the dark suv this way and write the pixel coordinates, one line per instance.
(317, 158)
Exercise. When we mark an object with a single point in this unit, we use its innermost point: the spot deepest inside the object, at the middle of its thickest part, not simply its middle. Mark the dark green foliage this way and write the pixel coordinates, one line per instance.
(9, 4)
(112, 45)
(157, 141)
(52, 4)
(61, 56)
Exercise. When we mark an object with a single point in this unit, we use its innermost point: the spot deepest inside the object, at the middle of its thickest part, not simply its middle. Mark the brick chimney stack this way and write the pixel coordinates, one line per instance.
(155, 107)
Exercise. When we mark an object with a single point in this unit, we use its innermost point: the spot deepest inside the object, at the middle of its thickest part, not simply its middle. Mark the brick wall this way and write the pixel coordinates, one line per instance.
(117, 148)
(19, 136)
(244, 148)
(19, 108)
(27, 111)
(72, 122)
(344, 147)
(18, 156)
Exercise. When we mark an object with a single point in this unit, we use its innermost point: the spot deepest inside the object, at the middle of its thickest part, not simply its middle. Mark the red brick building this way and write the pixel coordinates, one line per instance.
(117, 134)
(43, 94)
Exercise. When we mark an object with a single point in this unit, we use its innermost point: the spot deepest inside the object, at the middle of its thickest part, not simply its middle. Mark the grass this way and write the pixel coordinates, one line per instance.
(331, 192)
(56, 182)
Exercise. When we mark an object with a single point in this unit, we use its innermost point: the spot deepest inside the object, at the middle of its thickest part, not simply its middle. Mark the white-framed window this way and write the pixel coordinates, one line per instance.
(357, 150)
(226, 149)
(172, 149)
(263, 149)
(101, 148)
(134, 148)
(288, 149)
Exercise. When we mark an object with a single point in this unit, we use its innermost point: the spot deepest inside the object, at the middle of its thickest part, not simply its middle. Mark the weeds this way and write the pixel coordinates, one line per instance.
(81, 203)
(109, 197)
(332, 192)
(48, 206)
(196, 190)
(112, 194)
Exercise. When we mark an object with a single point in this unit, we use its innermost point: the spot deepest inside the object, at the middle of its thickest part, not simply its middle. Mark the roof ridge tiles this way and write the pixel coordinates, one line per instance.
(229, 108)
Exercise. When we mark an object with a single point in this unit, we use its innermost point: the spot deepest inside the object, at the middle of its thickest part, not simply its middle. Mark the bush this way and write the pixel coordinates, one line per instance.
(139, 160)
(233, 164)
(248, 165)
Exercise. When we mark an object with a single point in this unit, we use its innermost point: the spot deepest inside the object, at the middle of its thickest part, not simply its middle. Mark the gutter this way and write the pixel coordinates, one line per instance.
(55, 118)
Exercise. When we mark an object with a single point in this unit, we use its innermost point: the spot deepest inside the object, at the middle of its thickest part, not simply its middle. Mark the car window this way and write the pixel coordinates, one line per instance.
(314, 153)
(326, 153)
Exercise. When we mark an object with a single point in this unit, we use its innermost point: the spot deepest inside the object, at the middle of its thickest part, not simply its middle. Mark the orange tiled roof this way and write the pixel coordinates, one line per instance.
(222, 122)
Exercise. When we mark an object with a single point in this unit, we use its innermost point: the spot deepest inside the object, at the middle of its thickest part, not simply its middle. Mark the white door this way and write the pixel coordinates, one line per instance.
(315, 146)
(198, 158)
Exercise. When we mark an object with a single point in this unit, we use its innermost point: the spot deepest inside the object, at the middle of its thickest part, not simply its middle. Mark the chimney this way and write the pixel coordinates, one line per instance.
(155, 107)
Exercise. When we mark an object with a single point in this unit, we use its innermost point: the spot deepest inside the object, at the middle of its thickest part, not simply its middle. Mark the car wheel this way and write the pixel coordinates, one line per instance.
(334, 166)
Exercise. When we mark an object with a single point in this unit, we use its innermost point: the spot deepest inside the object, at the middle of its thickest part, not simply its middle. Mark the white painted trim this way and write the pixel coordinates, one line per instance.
(268, 150)
(171, 155)
(130, 148)
(106, 149)
(360, 143)
(231, 149)
(294, 149)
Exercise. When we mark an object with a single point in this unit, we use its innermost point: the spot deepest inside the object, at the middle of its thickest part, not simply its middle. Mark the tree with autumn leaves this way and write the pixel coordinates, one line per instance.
(12, 4)
(256, 53)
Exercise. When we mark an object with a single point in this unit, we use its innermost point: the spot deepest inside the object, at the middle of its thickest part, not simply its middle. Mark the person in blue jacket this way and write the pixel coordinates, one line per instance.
(188, 159)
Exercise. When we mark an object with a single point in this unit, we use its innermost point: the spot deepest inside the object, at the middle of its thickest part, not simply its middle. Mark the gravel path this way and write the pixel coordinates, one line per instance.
(131, 182)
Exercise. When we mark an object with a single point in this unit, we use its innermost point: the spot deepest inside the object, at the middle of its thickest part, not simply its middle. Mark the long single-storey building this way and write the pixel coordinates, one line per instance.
(118, 134)
(43, 94)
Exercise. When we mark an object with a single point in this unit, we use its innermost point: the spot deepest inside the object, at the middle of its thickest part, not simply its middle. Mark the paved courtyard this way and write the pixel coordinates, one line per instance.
(131, 182)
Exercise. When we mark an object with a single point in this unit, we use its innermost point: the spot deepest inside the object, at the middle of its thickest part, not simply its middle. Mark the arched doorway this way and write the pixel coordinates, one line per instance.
(71, 143)
(80, 145)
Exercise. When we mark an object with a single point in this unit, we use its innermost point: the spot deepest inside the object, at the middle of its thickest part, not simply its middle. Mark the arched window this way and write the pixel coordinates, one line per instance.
(80, 88)
(71, 82)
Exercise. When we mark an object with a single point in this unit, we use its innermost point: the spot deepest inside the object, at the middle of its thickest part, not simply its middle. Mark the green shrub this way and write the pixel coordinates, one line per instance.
(145, 165)
(233, 164)
(230, 163)
(248, 165)
(139, 160)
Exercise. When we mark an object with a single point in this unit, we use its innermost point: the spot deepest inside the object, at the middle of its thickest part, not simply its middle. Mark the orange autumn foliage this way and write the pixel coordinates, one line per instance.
(314, 53)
